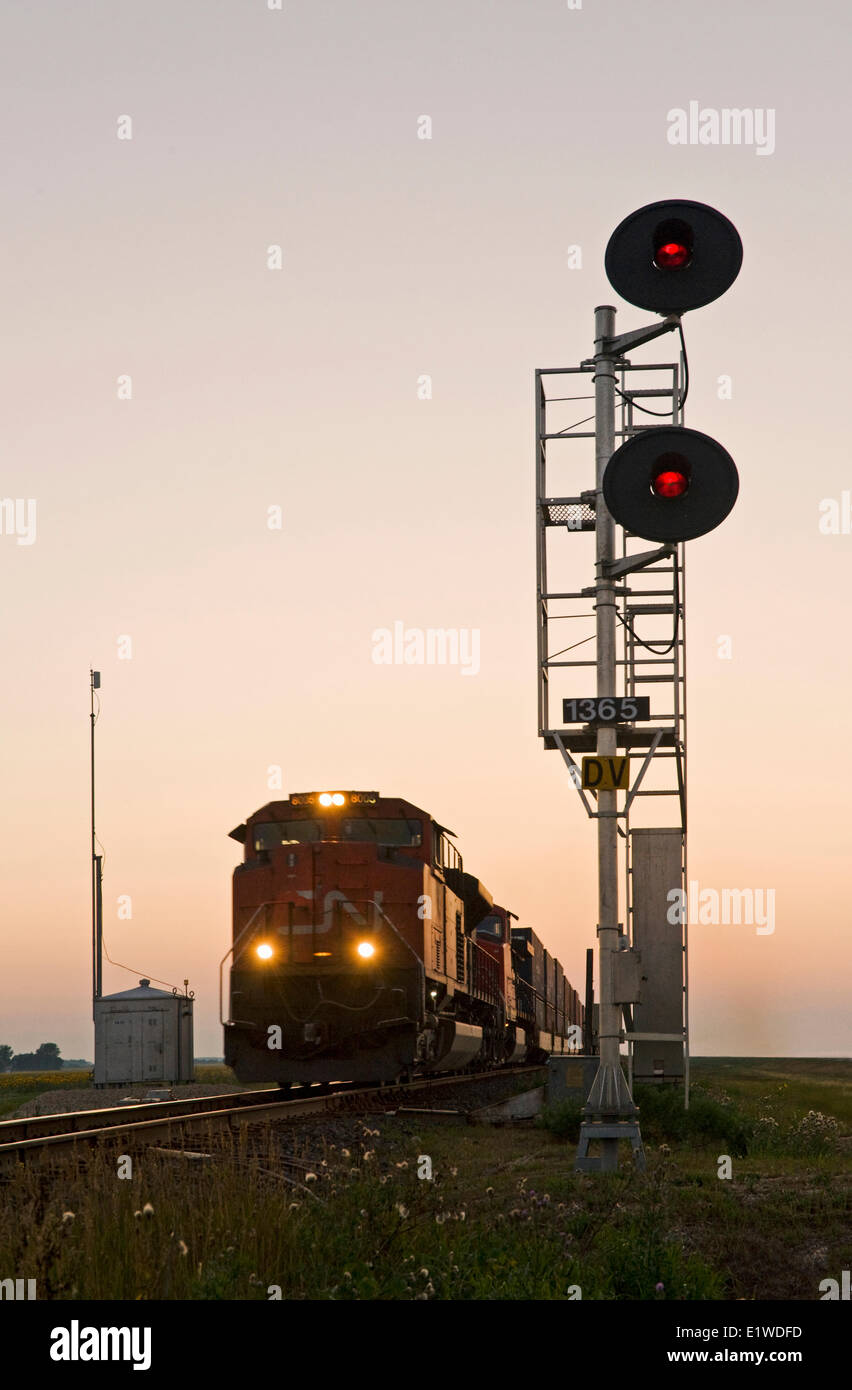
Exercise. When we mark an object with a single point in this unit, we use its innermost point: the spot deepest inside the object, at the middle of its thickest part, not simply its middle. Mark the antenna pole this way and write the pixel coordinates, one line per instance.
(97, 904)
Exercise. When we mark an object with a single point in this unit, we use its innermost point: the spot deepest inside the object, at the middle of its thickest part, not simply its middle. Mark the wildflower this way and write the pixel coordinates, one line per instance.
(344, 1153)
(369, 1154)
(455, 1269)
(294, 1206)
(310, 1177)
(665, 1150)
(659, 1287)
(363, 1212)
(440, 1218)
(424, 1273)
(66, 1217)
(462, 1215)
(383, 1179)
(401, 1165)
(137, 1213)
(546, 1197)
(454, 1172)
(147, 1210)
(183, 1248)
(346, 1274)
(402, 1209)
(489, 1191)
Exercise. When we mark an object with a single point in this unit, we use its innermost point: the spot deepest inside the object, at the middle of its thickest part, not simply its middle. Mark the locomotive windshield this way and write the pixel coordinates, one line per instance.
(270, 835)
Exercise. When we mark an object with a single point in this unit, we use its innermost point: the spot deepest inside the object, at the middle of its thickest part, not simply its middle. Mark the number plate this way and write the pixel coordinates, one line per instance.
(609, 709)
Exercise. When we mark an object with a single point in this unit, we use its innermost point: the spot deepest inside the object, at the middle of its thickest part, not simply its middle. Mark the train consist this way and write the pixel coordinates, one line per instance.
(363, 951)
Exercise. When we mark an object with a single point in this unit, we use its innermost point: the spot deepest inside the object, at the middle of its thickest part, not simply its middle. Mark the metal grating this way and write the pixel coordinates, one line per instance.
(577, 516)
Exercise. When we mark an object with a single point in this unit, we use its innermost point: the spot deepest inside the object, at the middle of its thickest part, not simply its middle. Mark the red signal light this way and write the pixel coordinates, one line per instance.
(672, 255)
(670, 483)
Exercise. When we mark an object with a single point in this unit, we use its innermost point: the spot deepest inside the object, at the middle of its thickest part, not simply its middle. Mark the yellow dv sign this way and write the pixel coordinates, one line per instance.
(606, 774)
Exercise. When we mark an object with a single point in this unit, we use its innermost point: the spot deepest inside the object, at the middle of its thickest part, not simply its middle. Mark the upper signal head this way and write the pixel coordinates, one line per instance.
(673, 256)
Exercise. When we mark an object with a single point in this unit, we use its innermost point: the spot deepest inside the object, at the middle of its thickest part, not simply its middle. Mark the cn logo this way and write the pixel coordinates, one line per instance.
(606, 774)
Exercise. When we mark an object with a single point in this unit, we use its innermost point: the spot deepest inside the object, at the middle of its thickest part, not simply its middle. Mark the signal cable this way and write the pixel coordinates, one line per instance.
(649, 646)
(663, 414)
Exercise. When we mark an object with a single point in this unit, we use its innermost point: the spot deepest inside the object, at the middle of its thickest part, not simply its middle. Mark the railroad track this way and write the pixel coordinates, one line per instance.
(24, 1139)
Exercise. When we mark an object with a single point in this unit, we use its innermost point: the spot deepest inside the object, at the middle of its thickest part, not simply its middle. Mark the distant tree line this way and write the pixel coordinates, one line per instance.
(45, 1058)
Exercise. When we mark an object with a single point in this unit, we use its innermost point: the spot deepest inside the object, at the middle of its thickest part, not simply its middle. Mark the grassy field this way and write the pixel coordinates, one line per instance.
(502, 1216)
(17, 1087)
(788, 1085)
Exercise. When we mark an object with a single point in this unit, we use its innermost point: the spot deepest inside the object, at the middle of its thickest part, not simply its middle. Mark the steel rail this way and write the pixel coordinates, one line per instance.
(127, 1125)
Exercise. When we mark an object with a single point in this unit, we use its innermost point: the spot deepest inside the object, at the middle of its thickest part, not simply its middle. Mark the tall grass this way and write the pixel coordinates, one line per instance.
(238, 1226)
(714, 1118)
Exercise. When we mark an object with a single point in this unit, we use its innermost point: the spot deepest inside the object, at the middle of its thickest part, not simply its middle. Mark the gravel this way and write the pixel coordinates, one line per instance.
(60, 1102)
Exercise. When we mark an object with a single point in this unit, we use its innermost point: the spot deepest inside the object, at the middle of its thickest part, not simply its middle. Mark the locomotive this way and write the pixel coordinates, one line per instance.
(363, 951)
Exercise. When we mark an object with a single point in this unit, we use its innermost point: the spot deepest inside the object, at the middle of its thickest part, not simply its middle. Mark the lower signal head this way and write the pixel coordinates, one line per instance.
(670, 484)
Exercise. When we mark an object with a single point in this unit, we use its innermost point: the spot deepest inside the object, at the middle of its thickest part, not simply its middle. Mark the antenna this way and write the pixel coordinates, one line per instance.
(97, 860)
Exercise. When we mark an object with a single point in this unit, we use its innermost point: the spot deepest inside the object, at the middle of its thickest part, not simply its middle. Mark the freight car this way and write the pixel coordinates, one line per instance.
(363, 951)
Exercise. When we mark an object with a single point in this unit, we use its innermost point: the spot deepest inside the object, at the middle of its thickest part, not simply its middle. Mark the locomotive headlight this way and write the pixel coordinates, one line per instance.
(338, 799)
(366, 949)
(264, 950)
(325, 799)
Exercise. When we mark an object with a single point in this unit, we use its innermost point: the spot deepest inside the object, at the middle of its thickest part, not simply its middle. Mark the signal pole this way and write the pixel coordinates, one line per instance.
(665, 484)
(609, 1114)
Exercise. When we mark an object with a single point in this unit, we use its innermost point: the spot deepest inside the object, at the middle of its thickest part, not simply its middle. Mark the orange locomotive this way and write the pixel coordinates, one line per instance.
(363, 951)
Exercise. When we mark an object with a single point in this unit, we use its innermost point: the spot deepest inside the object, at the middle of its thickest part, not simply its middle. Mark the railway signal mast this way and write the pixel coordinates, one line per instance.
(665, 484)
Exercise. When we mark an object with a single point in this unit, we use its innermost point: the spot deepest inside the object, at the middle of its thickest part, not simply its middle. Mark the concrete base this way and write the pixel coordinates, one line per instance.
(521, 1107)
(609, 1136)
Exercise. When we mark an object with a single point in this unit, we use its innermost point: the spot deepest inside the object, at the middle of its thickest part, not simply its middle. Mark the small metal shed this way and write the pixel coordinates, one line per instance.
(143, 1035)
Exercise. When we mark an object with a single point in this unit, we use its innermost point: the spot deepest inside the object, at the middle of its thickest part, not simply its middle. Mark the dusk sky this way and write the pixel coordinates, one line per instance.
(228, 646)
